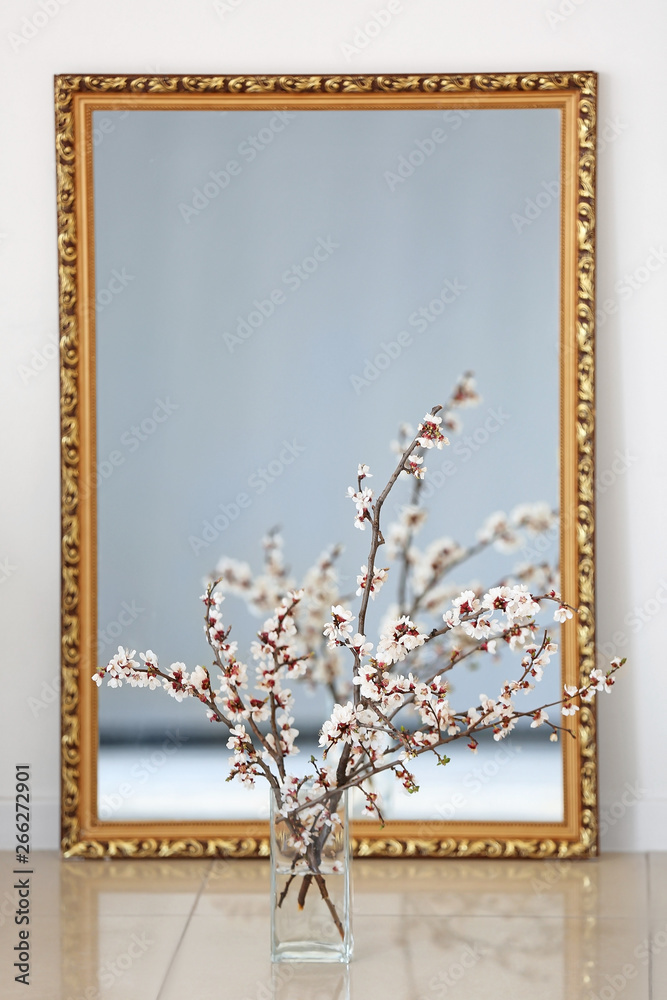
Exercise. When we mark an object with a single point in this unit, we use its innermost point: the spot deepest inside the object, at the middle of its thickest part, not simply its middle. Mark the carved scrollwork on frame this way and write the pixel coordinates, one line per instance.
(79, 838)
(583, 83)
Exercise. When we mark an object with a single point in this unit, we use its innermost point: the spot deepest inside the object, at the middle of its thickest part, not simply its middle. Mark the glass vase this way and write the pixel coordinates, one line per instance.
(310, 882)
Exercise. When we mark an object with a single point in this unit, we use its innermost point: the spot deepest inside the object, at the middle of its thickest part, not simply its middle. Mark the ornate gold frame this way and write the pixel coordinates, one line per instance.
(574, 94)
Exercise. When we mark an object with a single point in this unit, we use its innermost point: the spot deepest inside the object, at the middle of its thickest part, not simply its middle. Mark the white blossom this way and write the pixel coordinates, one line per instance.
(339, 726)
(379, 577)
(465, 393)
(601, 681)
(413, 517)
(359, 645)
(414, 465)
(481, 627)
(562, 613)
(569, 708)
(430, 435)
(177, 684)
(497, 530)
(363, 500)
(521, 606)
(236, 577)
(340, 626)
(535, 517)
(403, 637)
(199, 680)
(237, 737)
(465, 604)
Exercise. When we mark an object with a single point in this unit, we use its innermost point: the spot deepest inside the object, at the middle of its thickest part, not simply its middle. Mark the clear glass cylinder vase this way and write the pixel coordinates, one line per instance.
(310, 881)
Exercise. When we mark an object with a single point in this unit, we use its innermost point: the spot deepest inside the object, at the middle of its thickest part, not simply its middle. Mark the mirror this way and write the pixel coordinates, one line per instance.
(261, 280)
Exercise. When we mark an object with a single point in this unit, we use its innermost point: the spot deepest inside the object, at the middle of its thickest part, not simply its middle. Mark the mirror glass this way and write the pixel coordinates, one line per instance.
(276, 293)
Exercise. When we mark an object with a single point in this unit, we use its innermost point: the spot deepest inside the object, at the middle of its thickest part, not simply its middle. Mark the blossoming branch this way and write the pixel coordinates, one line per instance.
(393, 703)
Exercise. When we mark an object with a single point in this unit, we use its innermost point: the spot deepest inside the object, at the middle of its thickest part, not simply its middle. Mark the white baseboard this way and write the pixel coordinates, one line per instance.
(642, 827)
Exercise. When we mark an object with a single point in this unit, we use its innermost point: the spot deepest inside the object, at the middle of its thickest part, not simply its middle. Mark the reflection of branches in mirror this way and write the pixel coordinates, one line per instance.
(423, 576)
(392, 717)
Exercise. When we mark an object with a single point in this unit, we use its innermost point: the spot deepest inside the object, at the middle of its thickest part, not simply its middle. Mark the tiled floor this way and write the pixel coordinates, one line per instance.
(424, 930)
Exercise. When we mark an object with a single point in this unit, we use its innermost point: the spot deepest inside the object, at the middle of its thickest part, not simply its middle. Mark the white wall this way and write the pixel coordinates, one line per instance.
(623, 41)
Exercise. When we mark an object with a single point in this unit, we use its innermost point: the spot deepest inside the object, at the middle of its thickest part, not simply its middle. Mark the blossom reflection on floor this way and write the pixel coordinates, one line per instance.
(554, 930)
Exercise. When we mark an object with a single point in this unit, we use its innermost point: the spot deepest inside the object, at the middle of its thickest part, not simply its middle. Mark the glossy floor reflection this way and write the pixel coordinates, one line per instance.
(424, 930)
